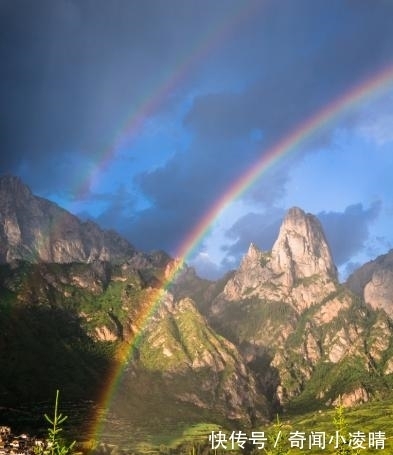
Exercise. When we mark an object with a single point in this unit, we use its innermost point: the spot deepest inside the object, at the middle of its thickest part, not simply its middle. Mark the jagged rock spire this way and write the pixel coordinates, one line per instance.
(301, 249)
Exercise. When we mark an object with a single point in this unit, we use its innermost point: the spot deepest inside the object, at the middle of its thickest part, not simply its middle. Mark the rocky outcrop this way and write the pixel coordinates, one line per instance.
(37, 230)
(298, 270)
(374, 282)
(291, 317)
(356, 396)
(301, 250)
(178, 341)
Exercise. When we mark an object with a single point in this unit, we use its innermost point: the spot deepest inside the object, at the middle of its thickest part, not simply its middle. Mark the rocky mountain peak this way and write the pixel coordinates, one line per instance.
(252, 259)
(253, 251)
(299, 269)
(37, 230)
(301, 249)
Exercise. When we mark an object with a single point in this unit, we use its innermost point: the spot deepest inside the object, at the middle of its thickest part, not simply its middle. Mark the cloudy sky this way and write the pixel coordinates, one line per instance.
(141, 115)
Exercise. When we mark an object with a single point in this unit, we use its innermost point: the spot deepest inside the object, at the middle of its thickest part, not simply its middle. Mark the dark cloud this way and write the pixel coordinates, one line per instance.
(183, 191)
(302, 76)
(118, 210)
(259, 228)
(347, 232)
(73, 72)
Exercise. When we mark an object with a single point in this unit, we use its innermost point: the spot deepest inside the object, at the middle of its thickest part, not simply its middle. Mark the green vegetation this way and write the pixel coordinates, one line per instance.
(168, 402)
(357, 423)
(323, 432)
(249, 319)
(277, 439)
(307, 281)
(265, 258)
(342, 446)
(55, 443)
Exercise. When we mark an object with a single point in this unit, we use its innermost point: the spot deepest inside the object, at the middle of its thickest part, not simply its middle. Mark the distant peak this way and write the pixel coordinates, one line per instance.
(37, 230)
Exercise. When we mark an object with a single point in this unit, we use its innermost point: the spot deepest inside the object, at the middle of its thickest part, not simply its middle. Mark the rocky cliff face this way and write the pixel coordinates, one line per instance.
(296, 326)
(298, 270)
(301, 250)
(37, 230)
(207, 370)
(374, 282)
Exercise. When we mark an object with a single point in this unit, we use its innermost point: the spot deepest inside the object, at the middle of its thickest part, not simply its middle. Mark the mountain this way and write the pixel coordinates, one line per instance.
(74, 299)
(279, 334)
(70, 326)
(37, 230)
(307, 338)
(299, 269)
(374, 283)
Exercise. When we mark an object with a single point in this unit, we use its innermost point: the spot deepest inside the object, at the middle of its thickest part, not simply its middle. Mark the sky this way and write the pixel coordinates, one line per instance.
(141, 115)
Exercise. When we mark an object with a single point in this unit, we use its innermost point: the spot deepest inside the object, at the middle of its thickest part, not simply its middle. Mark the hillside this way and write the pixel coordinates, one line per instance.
(279, 334)
(308, 338)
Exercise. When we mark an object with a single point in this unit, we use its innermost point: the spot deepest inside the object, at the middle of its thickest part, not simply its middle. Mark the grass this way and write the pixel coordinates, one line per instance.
(367, 418)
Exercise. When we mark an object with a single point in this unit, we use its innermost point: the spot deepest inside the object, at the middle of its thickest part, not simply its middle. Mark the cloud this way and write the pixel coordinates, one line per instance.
(206, 268)
(259, 228)
(381, 130)
(73, 74)
(347, 232)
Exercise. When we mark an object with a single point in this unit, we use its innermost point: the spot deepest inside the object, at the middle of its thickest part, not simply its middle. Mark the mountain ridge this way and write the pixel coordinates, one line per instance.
(280, 333)
(35, 229)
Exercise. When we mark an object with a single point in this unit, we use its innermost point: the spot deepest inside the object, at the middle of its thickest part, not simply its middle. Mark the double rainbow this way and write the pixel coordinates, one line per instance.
(289, 144)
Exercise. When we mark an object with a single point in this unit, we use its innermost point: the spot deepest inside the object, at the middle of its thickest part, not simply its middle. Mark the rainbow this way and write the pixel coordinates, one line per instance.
(211, 40)
(288, 145)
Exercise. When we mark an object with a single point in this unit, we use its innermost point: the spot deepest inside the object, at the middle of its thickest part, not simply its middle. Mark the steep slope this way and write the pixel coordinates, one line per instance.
(182, 373)
(307, 338)
(80, 321)
(37, 230)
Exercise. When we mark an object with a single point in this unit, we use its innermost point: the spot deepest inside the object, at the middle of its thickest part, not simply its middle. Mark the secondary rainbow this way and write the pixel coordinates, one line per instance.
(289, 144)
(153, 99)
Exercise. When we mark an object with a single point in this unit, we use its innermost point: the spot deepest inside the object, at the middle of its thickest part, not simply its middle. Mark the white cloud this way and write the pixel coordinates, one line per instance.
(206, 267)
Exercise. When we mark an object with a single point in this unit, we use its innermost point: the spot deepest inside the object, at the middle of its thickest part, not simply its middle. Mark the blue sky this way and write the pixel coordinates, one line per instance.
(213, 84)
